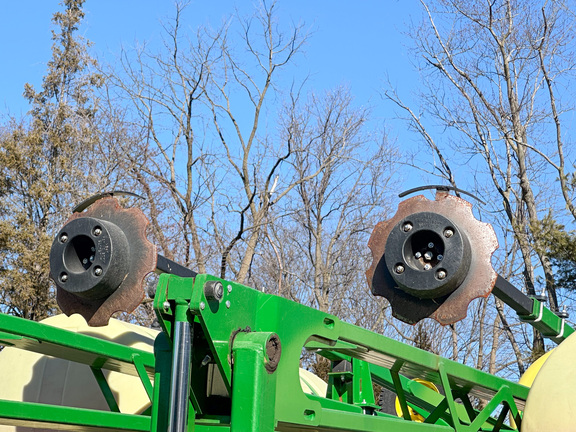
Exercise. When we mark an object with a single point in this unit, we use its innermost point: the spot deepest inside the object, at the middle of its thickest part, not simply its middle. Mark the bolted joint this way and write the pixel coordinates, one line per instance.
(266, 344)
(431, 259)
(214, 290)
(88, 258)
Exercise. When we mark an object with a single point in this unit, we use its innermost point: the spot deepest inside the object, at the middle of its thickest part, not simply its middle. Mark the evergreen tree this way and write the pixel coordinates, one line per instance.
(44, 161)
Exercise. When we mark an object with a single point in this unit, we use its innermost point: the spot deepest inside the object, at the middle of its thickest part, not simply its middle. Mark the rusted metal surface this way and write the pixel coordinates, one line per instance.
(142, 260)
(478, 282)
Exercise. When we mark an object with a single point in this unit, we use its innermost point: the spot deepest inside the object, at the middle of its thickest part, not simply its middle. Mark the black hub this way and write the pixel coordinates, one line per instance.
(81, 255)
(427, 255)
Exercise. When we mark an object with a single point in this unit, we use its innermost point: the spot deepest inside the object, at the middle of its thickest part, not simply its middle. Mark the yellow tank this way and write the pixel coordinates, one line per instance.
(550, 405)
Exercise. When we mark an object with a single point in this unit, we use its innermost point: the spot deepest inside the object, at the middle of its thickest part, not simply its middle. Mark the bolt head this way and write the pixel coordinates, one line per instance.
(430, 245)
(441, 274)
(427, 267)
(63, 238)
(166, 306)
(417, 255)
(448, 233)
(63, 277)
(407, 227)
(399, 268)
(228, 304)
(229, 287)
(98, 271)
(440, 257)
(428, 255)
(202, 305)
(97, 231)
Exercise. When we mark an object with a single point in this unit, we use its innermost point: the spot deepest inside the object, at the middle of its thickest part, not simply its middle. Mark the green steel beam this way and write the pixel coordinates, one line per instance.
(254, 388)
(106, 390)
(35, 415)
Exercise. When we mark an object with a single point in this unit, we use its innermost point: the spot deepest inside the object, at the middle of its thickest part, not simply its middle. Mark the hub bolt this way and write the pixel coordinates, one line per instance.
(63, 238)
(407, 227)
(98, 271)
(63, 277)
(399, 268)
(441, 274)
(428, 255)
(427, 267)
(448, 233)
(97, 231)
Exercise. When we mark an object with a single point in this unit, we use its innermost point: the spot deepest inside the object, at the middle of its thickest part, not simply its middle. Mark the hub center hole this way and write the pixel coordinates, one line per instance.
(79, 254)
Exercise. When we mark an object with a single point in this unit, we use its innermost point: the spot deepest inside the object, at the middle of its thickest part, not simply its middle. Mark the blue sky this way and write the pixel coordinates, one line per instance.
(353, 43)
(357, 44)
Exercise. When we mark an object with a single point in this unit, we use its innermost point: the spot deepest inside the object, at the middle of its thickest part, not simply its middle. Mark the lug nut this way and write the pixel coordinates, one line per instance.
(63, 238)
(399, 268)
(428, 255)
(448, 233)
(441, 274)
(98, 271)
(97, 231)
(63, 277)
(407, 227)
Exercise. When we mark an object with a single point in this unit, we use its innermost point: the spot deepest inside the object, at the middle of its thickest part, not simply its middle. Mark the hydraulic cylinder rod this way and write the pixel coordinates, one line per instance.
(179, 386)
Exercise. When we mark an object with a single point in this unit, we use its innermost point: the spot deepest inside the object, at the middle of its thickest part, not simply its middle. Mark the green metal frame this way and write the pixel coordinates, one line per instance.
(547, 322)
(230, 344)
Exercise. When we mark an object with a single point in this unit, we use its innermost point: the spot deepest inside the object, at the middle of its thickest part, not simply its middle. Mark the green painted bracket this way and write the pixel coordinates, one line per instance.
(547, 322)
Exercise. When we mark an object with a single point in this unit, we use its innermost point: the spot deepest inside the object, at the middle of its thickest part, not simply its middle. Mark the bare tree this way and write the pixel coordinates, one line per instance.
(489, 68)
(201, 102)
(46, 166)
(319, 248)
